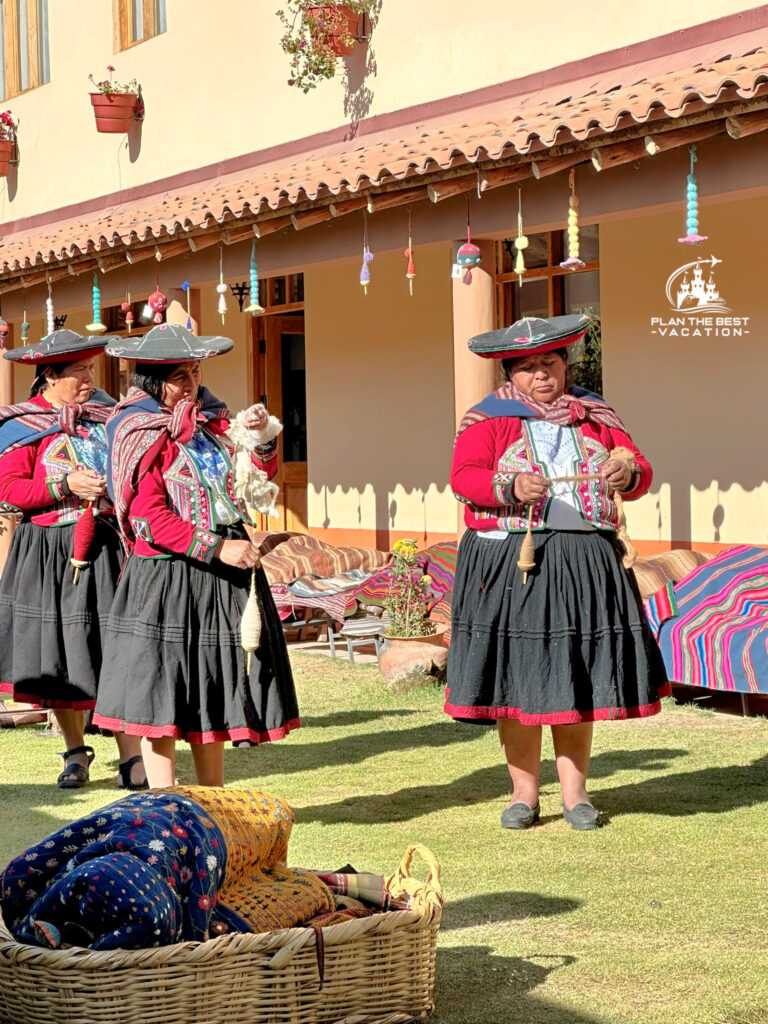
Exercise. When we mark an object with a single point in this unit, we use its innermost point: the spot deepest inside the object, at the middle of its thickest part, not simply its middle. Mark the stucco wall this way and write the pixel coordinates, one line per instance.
(695, 405)
(380, 400)
(215, 83)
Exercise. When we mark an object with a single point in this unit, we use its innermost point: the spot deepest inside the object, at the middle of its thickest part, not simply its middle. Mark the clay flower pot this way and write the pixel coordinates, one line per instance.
(410, 662)
(114, 111)
(6, 152)
(336, 21)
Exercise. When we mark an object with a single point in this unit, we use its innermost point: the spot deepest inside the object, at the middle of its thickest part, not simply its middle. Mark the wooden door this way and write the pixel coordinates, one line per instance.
(280, 382)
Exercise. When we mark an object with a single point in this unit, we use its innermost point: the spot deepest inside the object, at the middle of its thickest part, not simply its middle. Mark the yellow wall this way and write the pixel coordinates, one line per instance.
(215, 83)
(380, 398)
(695, 405)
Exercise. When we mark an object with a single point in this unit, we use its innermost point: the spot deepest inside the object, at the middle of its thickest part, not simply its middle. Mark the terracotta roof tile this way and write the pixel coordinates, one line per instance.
(668, 87)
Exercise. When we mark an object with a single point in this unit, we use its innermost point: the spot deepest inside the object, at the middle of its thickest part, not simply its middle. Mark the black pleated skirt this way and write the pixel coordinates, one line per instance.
(173, 664)
(51, 629)
(570, 645)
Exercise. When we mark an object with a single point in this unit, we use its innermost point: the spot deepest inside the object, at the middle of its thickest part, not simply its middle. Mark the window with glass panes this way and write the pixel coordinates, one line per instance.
(24, 60)
(137, 21)
(548, 290)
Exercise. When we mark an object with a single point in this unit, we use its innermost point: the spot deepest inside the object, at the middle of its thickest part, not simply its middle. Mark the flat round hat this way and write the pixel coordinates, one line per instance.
(62, 346)
(530, 336)
(169, 343)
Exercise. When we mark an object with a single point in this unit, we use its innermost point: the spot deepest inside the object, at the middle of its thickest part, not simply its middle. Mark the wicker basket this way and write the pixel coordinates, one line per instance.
(376, 970)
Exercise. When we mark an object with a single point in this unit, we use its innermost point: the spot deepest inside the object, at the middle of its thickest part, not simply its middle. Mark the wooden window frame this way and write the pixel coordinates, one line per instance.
(122, 12)
(552, 272)
(10, 29)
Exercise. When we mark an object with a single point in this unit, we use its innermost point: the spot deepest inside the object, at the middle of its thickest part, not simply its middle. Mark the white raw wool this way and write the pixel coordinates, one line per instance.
(251, 483)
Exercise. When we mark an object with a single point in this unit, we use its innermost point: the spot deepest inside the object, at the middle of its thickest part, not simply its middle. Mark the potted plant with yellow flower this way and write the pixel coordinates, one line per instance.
(316, 35)
(413, 652)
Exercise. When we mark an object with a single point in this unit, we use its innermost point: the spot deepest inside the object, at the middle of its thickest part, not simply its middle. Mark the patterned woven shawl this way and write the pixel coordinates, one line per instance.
(574, 406)
(139, 425)
(26, 422)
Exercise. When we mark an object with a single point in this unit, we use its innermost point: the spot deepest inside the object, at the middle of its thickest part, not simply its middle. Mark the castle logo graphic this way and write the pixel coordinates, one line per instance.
(701, 311)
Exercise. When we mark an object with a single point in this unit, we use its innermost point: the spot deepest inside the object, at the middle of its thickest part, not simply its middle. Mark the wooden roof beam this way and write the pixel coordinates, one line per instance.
(606, 157)
(661, 142)
(747, 124)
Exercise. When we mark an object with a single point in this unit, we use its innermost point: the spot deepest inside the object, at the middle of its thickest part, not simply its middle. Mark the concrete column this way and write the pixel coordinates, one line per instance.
(473, 377)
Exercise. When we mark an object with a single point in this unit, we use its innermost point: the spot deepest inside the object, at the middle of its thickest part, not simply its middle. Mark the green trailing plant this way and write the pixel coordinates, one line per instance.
(409, 593)
(587, 371)
(312, 36)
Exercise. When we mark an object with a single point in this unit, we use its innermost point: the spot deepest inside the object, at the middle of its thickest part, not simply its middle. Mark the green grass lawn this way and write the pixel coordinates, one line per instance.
(659, 918)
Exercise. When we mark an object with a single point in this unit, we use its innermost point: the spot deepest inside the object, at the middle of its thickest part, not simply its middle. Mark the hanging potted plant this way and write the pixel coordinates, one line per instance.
(115, 104)
(413, 652)
(7, 141)
(316, 35)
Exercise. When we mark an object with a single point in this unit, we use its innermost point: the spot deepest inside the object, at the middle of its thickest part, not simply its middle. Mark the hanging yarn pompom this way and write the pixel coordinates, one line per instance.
(25, 327)
(254, 306)
(185, 289)
(4, 329)
(250, 624)
(158, 303)
(221, 287)
(365, 273)
(50, 324)
(128, 311)
(469, 254)
(97, 327)
(521, 242)
(85, 532)
(527, 560)
(692, 236)
(410, 272)
(573, 262)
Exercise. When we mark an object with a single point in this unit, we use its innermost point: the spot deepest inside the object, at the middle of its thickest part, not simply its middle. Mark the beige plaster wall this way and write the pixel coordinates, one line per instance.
(215, 83)
(380, 397)
(695, 405)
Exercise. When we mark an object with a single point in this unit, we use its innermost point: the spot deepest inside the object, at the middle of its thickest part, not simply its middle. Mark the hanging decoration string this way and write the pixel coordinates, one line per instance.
(221, 288)
(692, 236)
(410, 273)
(469, 255)
(521, 242)
(573, 262)
(157, 302)
(365, 273)
(25, 325)
(49, 321)
(254, 306)
(97, 327)
(185, 289)
(128, 311)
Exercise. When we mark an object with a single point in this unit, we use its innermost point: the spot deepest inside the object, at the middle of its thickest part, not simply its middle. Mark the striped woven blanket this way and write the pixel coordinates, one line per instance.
(713, 626)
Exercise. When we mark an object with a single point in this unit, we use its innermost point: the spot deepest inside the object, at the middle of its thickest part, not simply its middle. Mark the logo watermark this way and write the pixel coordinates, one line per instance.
(698, 308)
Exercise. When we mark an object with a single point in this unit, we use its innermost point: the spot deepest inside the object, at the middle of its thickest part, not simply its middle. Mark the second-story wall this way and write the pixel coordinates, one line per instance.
(215, 82)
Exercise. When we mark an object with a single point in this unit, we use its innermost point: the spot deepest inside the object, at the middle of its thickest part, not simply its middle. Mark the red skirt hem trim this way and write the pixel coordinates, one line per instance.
(46, 705)
(559, 717)
(212, 736)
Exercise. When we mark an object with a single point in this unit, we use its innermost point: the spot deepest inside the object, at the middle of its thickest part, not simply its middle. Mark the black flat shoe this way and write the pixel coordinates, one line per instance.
(519, 816)
(582, 817)
(75, 775)
(125, 774)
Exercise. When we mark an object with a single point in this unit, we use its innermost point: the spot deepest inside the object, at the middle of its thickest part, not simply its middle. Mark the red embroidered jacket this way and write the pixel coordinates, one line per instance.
(173, 512)
(489, 453)
(32, 476)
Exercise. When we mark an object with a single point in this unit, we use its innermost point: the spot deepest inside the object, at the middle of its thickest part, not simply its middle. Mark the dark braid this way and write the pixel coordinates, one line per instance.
(40, 383)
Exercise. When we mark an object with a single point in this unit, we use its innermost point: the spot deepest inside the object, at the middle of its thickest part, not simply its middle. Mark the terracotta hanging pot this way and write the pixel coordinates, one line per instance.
(6, 152)
(336, 22)
(114, 111)
(409, 662)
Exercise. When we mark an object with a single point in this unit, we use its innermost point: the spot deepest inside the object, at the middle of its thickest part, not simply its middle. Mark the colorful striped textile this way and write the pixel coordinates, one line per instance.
(301, 555)
(719, 638)
(438, 561)
(668, 567)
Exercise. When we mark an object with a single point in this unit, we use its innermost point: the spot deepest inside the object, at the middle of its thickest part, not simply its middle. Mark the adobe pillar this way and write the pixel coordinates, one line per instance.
(473, 377)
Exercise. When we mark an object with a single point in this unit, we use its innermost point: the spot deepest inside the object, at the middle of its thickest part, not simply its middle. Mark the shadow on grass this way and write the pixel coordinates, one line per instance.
(478, 787)
(496, 907)
(339, 719)
(475, 986)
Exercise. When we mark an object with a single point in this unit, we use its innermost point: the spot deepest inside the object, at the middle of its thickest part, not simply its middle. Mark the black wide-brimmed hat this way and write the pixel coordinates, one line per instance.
(169, 343)
(530, 336)
(62, 346)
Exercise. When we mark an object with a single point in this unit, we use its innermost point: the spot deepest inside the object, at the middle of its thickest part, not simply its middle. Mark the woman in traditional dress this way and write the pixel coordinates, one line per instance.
(53, 454)
(174, 665)
(562, 641)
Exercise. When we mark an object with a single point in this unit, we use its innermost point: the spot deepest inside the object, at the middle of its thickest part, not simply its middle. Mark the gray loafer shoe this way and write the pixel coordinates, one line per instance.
(519, 815)
(583, 817)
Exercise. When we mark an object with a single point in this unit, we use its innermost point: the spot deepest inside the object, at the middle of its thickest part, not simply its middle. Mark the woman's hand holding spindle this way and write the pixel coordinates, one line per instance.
(530, 487)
